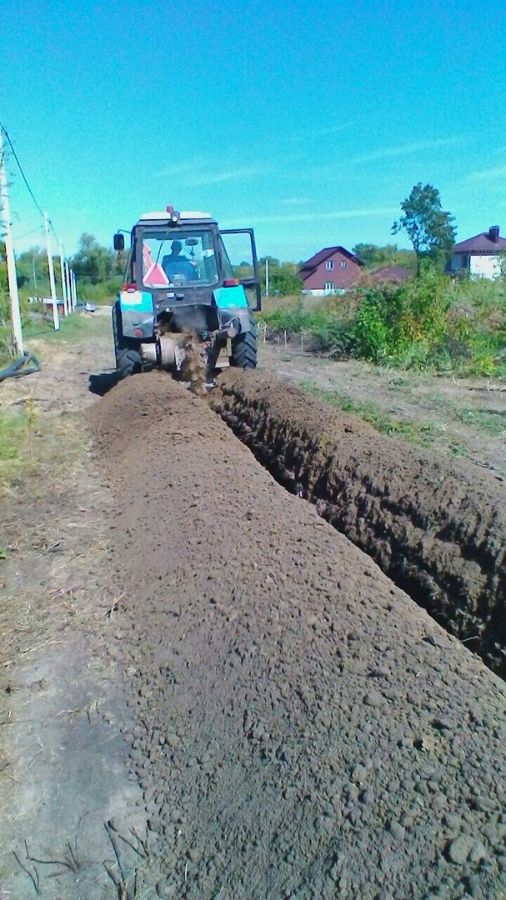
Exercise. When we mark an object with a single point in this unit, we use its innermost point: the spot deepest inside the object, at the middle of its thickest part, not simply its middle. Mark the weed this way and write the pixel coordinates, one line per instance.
(421, 434)
(427, 323)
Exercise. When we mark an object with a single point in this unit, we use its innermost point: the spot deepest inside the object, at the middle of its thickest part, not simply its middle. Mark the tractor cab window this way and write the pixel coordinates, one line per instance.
(178, 258)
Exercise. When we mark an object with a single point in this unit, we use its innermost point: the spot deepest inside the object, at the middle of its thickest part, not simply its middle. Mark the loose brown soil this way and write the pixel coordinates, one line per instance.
(186, 643)
(437, 529)
(460, 418)
(303, 728)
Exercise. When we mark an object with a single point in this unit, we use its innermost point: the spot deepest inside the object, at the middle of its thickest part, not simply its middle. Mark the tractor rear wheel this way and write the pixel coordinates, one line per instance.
(244, 349)
(128, 358)
(128, 362)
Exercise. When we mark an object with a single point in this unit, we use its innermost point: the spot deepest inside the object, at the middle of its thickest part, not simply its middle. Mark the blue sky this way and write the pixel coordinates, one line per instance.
(309, 122)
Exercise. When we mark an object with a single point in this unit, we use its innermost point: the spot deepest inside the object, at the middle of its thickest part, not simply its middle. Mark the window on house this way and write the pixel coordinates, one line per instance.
(329, 285)
(343, 264)
(329, 265)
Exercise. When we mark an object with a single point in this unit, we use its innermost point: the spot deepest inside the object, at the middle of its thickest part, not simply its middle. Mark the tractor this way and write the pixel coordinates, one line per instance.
(186, 279)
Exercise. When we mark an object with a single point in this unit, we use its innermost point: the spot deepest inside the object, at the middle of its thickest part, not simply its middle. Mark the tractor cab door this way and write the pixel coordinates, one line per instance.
(239, 259)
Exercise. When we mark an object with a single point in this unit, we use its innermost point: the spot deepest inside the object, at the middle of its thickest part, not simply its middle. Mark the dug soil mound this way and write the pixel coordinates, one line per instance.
(436, 527)
(303, 729)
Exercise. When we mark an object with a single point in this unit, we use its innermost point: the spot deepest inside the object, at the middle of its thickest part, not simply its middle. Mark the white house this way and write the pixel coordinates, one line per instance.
(480, 256)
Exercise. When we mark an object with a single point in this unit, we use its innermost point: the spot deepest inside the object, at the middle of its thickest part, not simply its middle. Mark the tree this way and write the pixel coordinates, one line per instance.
(374, 256)
(32, 271)
(93, 263)
(283, 278)
(429, 227)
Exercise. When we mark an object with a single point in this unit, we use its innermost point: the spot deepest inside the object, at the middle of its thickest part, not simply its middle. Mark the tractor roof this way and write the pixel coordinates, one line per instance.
(184, 217)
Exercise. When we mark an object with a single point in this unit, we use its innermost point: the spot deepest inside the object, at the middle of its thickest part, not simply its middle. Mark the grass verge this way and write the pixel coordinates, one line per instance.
(422, 434)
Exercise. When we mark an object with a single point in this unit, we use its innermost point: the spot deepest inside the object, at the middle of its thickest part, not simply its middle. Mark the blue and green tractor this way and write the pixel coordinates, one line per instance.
(186, 277)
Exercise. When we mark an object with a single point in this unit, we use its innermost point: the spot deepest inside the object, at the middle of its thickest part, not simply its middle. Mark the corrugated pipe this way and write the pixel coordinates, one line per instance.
(24, 365)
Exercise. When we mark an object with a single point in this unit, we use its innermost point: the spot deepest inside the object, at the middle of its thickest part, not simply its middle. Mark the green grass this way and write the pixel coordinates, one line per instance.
(37, 328)
(36, 448)
(16, 443)
(482, 420)
(70, 327)
(421, 434)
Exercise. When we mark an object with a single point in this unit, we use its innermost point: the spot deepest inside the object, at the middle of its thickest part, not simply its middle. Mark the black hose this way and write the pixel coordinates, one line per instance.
(20, 367)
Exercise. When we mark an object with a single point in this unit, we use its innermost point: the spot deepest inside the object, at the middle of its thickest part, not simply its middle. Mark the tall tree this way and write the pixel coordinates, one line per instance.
(429, 227)
(93, 262)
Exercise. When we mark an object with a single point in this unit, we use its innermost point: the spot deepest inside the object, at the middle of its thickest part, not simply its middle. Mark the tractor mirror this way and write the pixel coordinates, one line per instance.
(191, 242)
(119, 241)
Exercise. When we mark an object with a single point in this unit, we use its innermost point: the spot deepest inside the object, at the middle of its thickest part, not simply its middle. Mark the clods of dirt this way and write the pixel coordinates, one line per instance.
(437, 528)
(303, 729)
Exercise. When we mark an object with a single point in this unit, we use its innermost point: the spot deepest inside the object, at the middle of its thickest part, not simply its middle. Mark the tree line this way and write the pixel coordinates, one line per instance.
(428, 226)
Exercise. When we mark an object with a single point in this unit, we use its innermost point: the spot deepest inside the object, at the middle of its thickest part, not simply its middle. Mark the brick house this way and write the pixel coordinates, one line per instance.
(330, 271)
(479, 256)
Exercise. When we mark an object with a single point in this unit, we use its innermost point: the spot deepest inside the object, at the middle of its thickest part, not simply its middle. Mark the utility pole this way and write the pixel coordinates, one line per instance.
(5, 224)
(266, 277)
(66, 305)
(68, 285)
(74, 288)
(34, 277)
(56, 317)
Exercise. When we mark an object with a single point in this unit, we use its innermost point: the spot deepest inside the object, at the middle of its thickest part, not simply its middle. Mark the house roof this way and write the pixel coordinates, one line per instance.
(395, 274)
(482, 243)
(324, 254)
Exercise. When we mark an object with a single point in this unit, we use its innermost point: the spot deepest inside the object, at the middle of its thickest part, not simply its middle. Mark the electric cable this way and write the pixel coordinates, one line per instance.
(20, 167)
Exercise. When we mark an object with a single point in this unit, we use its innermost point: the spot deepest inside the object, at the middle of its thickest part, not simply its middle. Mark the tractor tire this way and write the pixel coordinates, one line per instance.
(128, 358)
(244, 349)
(128, 362)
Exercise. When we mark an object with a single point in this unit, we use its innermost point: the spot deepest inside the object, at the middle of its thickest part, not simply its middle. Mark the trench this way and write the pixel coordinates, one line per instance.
(436, 528)
(302, 728)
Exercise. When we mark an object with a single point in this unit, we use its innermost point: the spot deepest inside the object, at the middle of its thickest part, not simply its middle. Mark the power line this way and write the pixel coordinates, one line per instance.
(54, 231)
(20, 167)
(38, 230)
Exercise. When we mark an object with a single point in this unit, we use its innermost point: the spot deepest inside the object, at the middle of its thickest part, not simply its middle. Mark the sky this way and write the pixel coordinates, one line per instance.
(309, 122)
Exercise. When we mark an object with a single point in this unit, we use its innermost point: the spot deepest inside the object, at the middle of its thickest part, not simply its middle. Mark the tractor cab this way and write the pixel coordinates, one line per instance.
(185, 275)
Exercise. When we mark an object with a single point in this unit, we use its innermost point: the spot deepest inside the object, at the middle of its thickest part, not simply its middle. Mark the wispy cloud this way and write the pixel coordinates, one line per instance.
(183, 168)
(310, 133)
(486, 174)
(320, 217)
(200, 171)
(296, 201)
(405, 149)
(211, 176)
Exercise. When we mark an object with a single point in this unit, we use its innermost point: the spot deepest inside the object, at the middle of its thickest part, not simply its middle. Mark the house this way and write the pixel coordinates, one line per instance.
(480, 255)
(330, 271)
(391, 275)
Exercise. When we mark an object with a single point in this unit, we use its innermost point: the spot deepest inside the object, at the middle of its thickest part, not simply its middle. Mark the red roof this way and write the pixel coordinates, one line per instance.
(395, 274)
(324, 254)
(481, 243)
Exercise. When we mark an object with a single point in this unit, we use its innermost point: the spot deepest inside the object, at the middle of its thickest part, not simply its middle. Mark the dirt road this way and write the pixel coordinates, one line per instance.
(287, 721)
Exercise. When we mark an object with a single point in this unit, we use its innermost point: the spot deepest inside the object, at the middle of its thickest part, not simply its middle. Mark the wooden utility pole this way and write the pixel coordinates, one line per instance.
(5, 226)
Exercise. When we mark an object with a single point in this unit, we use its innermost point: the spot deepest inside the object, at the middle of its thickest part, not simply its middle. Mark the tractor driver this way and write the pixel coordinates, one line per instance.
(176, 264)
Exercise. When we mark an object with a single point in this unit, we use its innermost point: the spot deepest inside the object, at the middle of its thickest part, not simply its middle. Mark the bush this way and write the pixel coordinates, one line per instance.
(104, 292)
(427, 322)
